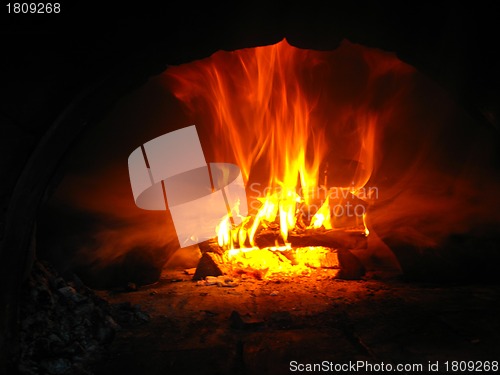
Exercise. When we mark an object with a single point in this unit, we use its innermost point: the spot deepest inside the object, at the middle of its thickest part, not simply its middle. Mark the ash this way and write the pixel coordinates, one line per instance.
(65, 326)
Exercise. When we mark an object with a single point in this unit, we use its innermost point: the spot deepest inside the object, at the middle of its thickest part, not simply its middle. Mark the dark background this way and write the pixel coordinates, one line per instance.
(455, 44)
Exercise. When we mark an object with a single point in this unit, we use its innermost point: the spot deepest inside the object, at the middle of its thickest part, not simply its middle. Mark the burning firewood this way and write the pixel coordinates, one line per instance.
(355, 239)
(264, 262)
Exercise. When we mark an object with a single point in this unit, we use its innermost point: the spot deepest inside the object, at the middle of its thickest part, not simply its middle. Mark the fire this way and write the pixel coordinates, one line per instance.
(261, 105)
(367, 232)
(282, 260)
(224, 231)
(322, 218)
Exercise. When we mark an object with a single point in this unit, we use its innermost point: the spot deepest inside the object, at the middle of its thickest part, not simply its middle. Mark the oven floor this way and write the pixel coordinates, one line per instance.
(260, 327)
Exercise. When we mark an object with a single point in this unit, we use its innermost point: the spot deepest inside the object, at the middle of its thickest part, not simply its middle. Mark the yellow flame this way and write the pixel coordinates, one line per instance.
(322, 218)
(223, 232)
(367, 232)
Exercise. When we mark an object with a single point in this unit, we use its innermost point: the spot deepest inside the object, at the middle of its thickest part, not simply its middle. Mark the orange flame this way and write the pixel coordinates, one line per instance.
(322, 218)
(262, 104)
(260, 111)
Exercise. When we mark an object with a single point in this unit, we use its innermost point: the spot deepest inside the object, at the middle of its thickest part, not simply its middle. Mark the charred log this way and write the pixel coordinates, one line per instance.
(210, 264)
(337, 239)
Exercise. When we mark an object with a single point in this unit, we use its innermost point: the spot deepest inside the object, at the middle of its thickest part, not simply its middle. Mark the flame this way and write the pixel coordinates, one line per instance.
(270, 101)
(262, 103)
(367, 232)
(274, 111)
(262, 114)
(322, 218)
(224, 231)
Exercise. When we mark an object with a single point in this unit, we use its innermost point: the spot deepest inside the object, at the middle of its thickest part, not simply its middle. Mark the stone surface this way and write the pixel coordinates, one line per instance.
(245, 330)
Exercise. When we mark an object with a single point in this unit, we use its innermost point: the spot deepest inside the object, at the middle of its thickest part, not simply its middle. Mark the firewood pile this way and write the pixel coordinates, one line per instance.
(339, 262)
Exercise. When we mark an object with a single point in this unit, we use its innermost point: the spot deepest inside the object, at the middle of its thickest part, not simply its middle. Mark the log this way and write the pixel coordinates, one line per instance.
(210, 264)
(210, 246)
(337, 239)
(350, 266)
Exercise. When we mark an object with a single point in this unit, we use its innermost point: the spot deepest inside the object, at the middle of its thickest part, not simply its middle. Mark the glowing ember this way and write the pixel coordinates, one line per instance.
(281, 260)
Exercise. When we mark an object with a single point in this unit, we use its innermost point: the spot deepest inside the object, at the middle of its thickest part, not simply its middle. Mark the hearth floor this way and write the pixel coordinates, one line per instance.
(260, 327)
